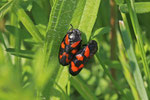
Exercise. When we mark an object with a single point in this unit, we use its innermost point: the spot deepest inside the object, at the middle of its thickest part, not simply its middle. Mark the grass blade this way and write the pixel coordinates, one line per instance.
(39, 14)
(133, 62)
(89, 17)
(140, 7)
(61, 83)
(126, 69)
(27, 22)
(13, 29)
(100, 32)
(82, 88)
(2, 40)
(20, 53)
(137, 32)
(5, 8)
(76, 18)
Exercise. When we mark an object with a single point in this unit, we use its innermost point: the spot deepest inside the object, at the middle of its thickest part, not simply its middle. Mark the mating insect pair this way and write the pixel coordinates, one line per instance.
(70, 51)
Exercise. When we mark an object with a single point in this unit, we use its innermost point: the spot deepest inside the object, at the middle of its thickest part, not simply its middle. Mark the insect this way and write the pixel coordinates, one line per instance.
(70, 44)
(82, 56)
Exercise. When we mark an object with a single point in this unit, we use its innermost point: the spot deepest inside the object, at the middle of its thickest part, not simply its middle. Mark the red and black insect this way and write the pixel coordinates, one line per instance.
(70, 44)
(82, 57)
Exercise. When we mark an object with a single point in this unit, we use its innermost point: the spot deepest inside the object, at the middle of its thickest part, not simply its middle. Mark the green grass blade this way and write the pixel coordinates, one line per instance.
(15, 22)
(133, 62)
(140, 7)
(61, 83)
(82, 88)
(27, 22)
(68, 88)
(100, 32)
(20, 53)
(5, 8)
(137, 32)
(51, 2)
(89, 17)
(126, 69)
(39, 14)
(119, 2)
(24, 34)
(2, 40)
(2, 56)
(76, 18)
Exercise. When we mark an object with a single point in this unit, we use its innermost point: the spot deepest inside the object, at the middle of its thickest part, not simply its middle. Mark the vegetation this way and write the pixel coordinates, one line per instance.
(30, 35)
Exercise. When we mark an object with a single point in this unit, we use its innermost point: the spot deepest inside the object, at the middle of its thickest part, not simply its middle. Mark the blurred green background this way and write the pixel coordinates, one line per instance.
(31, 32)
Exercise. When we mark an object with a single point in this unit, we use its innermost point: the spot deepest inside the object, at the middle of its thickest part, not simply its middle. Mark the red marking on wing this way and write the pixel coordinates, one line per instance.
(74, 51)
(87, 52)
(75, 44)
(62, 45)
(81, 66)
(65, 54)
(60, 56)
(79, 57)
(67, 40)
(67, 60)
(73, 67)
